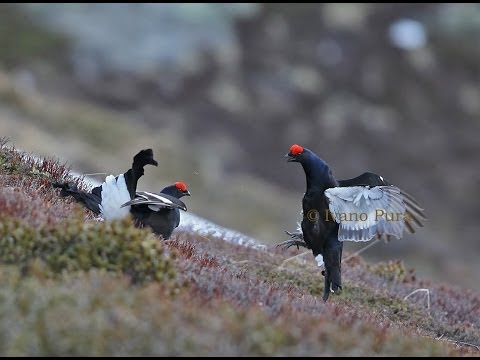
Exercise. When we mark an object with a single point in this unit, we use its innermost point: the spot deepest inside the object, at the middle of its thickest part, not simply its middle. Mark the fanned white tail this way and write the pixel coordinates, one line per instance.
(114, 195)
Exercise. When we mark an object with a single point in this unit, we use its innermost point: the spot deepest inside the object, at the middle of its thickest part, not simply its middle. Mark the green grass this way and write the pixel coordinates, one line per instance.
(71, 245)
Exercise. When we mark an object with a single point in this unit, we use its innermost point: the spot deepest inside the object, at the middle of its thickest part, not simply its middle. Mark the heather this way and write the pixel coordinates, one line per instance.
(74, 285)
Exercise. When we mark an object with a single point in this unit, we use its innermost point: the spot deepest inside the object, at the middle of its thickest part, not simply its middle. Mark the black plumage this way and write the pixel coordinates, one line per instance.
(319, 231)
(164, 219)
(158, 211)
(93, 199)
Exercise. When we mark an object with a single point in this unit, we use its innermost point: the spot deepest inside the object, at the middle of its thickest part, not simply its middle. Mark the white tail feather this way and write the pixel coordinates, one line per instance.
(114, 194)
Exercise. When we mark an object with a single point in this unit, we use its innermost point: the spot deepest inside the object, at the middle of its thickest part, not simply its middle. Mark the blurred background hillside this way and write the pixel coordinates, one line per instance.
(220, 92)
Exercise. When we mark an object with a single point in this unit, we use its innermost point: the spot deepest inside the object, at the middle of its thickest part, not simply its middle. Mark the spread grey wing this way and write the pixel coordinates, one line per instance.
(156, 201)
(365, 212)
(413, 210)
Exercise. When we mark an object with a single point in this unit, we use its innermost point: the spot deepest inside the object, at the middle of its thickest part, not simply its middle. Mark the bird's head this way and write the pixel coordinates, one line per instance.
(296, 153)
(316, 169)
(179, 189)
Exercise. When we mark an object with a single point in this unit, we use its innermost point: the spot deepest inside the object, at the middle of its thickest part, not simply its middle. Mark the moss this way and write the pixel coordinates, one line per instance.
(309, 281)
(396, 309)
(99, 314)
(73, 245)
(13, 162)
(10, 161)
(393, 270)
(371, 304)
(65, 289)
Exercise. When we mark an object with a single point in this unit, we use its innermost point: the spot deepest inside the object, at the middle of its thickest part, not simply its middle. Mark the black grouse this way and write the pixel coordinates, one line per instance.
(117, 197)
(357, 209)
(152, 209)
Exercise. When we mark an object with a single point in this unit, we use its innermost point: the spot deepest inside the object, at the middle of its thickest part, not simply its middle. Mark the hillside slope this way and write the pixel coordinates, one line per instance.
(325, 75)
(73, 285)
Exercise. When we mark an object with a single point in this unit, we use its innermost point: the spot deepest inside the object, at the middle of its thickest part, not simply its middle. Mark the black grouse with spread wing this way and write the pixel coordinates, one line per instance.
(357, 209)
(117, 197)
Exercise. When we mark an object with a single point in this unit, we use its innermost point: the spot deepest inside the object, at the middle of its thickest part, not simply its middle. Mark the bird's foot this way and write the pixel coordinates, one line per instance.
(289, 243)
(337, 289)
(295, 236)
(333, 282)
(334, 289)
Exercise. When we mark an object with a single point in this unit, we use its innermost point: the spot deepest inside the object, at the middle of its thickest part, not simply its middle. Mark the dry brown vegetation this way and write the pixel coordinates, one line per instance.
(73, 285)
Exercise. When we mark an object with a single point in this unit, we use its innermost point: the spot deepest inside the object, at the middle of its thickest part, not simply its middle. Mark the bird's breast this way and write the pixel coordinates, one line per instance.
(317, 223)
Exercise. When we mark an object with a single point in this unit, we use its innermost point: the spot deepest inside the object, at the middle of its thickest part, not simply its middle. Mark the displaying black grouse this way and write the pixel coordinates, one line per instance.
(117, 197)
(152, 209)
(357, 209)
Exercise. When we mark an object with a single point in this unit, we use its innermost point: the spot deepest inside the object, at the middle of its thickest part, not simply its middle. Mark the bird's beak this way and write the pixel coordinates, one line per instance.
(187, 193)
(289, 157)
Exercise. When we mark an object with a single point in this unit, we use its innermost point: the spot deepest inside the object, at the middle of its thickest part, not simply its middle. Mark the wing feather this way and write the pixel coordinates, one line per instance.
(364, 212)
(414, 211)
(156, 201)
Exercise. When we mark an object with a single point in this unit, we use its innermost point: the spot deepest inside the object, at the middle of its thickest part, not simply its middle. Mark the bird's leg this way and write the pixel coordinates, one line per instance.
(333, 269)
(297, 240)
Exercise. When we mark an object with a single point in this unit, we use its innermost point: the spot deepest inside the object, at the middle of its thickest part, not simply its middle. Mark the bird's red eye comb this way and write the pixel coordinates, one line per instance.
(296, 149)
(181, 186)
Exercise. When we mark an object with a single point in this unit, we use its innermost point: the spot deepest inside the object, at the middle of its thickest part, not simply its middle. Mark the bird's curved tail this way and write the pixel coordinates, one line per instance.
(333, 269)
(90, 200)
(143, 158)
